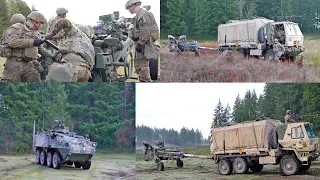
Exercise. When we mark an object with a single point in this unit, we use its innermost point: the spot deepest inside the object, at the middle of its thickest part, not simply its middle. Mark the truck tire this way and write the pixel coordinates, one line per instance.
(240, 165)
(273, 139)
(77, 164)
(49, 159)
(179, 163)
(86, 165)
(154, 68)
(305, 167)
(38, 156)
(289, 165)
(160, 166)
(225, 167)
(256, 167)
(43, 158)
(269, 55)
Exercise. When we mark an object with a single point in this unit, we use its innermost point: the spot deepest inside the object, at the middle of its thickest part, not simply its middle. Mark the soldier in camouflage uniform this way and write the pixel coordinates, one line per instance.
(278, 49)
(144, 33)
(61, 13)
(75, 57)
(25, 44)
(288, 118)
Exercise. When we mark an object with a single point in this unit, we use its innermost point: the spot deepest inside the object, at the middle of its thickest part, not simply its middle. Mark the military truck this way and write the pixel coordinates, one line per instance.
(250, 145)
(262, 37)
(61, 146)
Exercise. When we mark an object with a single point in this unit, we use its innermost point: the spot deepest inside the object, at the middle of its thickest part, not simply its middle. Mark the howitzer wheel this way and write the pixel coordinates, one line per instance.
(197, 53)
(43, 158)
(38, 156)
(49, 159)
(269, 55)
(225, 167)
(160, 166)
(154, 68)
(56, 161)
(179, 163)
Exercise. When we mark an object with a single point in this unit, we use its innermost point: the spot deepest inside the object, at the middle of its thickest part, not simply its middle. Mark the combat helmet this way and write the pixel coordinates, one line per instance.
(131, 2)
(36, 16)
(288, 111)
(17, 18)
(61, 11)
(84, 29)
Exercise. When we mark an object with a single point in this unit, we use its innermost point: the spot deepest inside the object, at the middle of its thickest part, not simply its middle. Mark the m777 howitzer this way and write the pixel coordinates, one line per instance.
(162, 153)
(113, 56)
(181, 45)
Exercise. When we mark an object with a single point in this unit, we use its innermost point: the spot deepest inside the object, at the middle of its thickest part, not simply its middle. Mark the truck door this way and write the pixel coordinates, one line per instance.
(297, 137)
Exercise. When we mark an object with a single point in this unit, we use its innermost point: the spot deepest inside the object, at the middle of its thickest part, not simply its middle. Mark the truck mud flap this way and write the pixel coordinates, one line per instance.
(154, 68)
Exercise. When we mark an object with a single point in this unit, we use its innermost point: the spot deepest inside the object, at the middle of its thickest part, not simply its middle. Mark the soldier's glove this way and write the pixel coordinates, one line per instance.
(38, 42)
(140, 48)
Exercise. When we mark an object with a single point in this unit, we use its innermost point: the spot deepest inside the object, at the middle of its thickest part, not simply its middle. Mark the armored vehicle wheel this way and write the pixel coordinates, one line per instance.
(240, 165)
(160, 166)
(305, 167)
(179, 163)
(86, 165)
(197, 53)
(38, 156)
(56, 161)
(224, 167)
(289, 165)
(77, 164)
(256, 167)
(154, 68)
(49, 159)
(43, 158)
(269, 55)
(70, 163)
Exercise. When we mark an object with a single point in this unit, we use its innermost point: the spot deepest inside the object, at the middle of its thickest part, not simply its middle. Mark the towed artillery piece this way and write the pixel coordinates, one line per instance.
(181, 45)
(61, 146)
(162, 153)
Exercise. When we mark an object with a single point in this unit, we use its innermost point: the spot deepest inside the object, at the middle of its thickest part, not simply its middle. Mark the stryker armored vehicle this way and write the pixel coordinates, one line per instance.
(61, 146)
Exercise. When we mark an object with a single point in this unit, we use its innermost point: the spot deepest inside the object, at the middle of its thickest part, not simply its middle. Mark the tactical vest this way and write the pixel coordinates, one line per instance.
(153, 27)
(30, 53)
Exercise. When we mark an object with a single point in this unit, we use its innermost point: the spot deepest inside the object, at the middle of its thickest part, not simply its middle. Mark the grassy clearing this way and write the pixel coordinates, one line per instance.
(236, 68)
(104, 166)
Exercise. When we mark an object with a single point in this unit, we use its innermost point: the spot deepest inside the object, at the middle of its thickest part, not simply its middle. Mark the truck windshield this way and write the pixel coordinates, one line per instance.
(293, 30)
(309, 131)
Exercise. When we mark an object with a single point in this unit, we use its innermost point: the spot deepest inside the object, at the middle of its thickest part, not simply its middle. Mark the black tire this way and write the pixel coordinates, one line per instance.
(160, 166)
(256, 167)
(305, 167)
(43, 158)
(269, 55)
(49, 159)
(70, 163)
(273, 139)
(77, 164)
(154, 68)
(225, 167)
(56, 161)
(179, 163)
(38, 152)
(289, 165)
(240, 165)
(86, 165)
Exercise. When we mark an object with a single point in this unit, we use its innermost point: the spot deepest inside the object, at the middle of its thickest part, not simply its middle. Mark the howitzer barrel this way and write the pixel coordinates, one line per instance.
(206, 48)
(51, 44)
(197, 156)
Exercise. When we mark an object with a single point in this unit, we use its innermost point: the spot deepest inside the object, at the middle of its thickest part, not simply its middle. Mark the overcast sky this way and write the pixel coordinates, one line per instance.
(174, 105)
(87, 12)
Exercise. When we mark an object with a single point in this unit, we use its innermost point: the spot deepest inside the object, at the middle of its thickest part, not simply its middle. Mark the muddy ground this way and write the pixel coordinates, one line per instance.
(103, 167)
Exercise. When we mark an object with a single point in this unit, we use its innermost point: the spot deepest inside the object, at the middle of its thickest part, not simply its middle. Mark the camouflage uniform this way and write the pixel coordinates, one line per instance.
(76, 55)
(21, 63)
(287, 118)
(278, 49)
(144, 33)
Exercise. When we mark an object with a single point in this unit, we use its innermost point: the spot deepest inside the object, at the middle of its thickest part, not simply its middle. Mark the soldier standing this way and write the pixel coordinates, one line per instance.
(75, 56)
(144, 33)
(278, 49)
(25, 44)
(61, 13)
(288, 118)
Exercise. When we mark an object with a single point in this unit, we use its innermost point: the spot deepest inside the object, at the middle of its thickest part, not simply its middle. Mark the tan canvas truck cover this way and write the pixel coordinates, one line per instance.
(245, 32)
(249, 137)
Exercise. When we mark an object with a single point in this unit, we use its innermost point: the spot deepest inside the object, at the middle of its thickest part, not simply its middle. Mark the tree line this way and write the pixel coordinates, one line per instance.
(104, 111)
(186, 137)
(200, 18)
(302, 99)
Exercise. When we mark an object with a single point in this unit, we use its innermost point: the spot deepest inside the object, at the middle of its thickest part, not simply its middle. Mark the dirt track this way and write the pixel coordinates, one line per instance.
(103, 167)
(206, 169)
